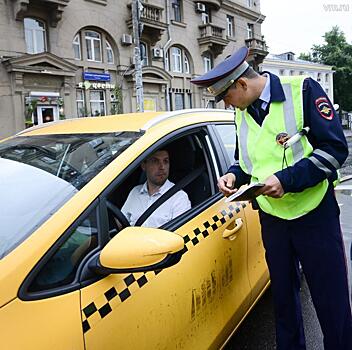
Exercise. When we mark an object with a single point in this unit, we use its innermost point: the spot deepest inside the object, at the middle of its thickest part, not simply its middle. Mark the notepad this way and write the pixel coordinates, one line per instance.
(245, 194)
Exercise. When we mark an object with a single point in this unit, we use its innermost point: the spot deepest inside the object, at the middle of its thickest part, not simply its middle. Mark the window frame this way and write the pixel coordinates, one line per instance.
(183, 132)
(181, 98)
(78, 44)
(230, 26)
(33, 36)
(76, 284)
(186, 64)
(208, 62)
(91, 40)
(182, 58)
(176, 59)
(97, 101)
(224, 161)
(143, 48)
(80, 101)
(108, 49)
(206, 16)
(177, 10)
(250, 31)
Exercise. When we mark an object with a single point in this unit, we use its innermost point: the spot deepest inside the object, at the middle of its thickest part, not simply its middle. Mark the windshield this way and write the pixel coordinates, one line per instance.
(38, 174)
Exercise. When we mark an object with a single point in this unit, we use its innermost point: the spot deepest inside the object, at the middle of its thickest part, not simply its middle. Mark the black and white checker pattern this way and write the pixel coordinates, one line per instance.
(131, 283)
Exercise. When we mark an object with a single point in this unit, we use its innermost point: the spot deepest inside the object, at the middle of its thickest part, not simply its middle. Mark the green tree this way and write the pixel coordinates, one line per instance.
(336, 52)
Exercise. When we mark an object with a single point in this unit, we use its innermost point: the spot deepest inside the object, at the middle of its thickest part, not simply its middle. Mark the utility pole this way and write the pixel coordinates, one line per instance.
(136, 14)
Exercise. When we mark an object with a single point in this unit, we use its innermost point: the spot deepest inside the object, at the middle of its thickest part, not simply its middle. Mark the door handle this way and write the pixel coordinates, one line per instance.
(231, 233)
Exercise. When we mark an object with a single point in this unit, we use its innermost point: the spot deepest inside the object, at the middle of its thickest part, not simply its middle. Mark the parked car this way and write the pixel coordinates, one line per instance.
(75, 275)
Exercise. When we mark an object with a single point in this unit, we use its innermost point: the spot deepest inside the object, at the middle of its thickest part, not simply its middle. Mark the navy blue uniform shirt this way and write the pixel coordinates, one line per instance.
(325, 135)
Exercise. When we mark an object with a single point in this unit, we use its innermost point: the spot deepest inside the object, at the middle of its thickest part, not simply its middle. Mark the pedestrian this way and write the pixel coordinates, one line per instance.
(298, 211)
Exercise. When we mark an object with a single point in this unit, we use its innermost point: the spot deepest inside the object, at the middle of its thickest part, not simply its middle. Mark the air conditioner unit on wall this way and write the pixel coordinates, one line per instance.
(126, 39)
(158, 53)
(200, 7)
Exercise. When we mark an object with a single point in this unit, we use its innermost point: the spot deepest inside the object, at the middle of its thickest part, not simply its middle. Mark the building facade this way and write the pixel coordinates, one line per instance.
(64, 59)
(287, 64)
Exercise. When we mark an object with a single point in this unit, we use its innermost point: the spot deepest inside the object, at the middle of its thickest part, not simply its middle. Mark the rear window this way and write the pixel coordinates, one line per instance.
(38, 174)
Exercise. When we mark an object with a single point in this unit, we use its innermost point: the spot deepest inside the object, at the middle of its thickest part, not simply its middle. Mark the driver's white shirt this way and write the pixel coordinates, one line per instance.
(139, 200)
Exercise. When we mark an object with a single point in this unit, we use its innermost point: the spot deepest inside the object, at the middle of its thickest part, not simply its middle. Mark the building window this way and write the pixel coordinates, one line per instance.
(77, 47)
(282, 72)
(144, 53)
(326, 78)
(109, 53)
(81, 109)
(230, 25)
(292, 72)
(186, 63)
(97, 103)
(250, 3)
(249, 30)
(93, 43)
(190, 104)
(176, 61)
(207, 62)
(206, 15)
(180, 62)
(301, 72)
(319, 77)
(34, 32)
(176, 10)
(290, 57)
(179, 101)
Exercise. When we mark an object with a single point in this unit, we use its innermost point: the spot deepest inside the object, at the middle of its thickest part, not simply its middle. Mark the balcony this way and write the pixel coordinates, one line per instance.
(153, 22)
(212, 38)
(213, 3)
(257, 51)
(54, 7)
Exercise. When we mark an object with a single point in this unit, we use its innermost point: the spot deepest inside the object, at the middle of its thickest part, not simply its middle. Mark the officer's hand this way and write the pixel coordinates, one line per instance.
(272, 188)
(226, 184)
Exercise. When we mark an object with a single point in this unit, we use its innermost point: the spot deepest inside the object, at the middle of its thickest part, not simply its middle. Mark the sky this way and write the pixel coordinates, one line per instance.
(297, 25)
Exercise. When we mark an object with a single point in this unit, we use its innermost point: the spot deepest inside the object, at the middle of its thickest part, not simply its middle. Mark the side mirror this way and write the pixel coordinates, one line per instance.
(139, 249)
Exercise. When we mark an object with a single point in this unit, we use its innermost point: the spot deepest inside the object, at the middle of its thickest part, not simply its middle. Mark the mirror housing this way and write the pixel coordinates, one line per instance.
(139, 249)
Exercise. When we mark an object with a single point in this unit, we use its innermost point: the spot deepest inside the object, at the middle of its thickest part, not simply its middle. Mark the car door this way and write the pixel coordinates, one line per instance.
(46, 314)
(193, 304)
(257, 268)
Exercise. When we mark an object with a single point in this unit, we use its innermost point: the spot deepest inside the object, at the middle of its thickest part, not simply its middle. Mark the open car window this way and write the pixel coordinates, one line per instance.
(189, 166)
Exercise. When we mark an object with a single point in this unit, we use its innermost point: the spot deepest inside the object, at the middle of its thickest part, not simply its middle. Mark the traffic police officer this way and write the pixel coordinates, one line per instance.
(298, 211)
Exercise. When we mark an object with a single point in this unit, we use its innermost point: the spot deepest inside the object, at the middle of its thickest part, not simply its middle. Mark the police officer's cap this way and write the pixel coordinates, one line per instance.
(220, 78)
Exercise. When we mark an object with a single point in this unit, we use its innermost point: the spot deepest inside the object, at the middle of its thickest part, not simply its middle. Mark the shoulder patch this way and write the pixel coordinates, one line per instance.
(324, 108)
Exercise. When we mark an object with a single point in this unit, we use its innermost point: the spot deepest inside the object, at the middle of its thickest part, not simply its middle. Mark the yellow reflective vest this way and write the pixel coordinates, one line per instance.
(261, 156)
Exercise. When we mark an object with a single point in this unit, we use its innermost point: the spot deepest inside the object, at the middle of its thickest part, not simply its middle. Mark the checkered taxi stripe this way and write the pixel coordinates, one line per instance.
(117, 294)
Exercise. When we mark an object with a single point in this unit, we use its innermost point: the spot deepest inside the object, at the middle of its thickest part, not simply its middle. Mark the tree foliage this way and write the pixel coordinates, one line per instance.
(336, 52)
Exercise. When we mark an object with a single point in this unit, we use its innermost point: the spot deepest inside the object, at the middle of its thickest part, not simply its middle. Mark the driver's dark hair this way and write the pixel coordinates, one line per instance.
(158, 150)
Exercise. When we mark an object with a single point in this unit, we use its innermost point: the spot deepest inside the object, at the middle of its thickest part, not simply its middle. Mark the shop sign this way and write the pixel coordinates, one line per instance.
(96, 76)
(88, 85)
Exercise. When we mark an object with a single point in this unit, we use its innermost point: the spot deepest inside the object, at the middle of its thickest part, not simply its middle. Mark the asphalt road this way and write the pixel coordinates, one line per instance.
(258, 331)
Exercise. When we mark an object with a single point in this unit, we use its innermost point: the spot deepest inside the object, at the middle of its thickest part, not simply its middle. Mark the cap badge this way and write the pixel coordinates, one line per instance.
(281, 138)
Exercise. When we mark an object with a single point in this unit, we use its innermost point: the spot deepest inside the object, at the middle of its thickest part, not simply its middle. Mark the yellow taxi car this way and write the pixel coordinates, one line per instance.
(75, 275)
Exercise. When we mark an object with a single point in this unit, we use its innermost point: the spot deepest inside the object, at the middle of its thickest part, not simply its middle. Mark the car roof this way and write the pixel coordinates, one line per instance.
(126, 122)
